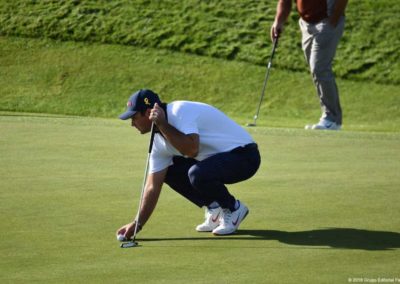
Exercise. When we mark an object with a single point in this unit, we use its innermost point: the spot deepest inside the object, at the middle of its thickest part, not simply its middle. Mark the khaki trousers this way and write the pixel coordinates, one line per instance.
(319, 43)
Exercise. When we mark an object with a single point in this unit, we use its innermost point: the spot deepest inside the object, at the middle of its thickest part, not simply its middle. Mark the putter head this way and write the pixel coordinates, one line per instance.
(130, 244)
(254, 123)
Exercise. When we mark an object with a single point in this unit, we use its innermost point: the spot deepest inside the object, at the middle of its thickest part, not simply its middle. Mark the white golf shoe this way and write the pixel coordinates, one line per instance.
(212, 219)
(230, 221)
(324, 124)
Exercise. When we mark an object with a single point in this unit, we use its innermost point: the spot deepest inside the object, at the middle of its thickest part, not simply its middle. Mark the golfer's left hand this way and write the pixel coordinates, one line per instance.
(157, 115)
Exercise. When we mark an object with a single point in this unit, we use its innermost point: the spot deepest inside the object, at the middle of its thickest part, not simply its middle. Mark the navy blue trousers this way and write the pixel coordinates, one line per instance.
(203, 182)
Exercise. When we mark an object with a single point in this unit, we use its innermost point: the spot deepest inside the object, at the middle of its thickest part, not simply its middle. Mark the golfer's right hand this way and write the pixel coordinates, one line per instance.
(276, 30)
(128, 230)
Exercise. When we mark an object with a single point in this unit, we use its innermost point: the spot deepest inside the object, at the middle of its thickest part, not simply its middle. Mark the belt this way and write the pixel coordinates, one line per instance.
(251, 146)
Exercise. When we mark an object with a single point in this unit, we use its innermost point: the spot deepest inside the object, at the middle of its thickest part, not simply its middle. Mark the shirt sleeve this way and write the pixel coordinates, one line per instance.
(184, 118)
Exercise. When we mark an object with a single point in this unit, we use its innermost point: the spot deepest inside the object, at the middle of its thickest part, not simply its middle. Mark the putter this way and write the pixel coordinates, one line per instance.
(275, 43)
(132, 243)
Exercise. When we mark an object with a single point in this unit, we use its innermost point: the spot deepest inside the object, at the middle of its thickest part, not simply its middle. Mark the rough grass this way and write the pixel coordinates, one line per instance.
(45, 76)
(233, 30)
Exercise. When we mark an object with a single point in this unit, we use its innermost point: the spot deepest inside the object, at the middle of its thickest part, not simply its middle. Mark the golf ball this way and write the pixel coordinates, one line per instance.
(121, 238)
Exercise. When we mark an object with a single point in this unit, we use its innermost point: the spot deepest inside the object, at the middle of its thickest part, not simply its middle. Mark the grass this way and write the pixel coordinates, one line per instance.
(323, 208)
(45, 76)
(232, 30)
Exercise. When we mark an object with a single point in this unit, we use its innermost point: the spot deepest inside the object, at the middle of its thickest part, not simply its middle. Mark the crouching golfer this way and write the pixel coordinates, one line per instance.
(197, 150)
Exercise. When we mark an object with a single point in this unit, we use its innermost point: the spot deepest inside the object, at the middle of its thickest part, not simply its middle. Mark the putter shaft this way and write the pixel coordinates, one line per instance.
(275, 43)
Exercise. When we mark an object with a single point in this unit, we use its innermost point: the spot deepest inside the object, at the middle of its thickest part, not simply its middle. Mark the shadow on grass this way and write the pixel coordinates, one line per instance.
(343, 238)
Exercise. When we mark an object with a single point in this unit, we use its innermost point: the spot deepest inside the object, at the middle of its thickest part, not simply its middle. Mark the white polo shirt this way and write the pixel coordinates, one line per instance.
(217, 133)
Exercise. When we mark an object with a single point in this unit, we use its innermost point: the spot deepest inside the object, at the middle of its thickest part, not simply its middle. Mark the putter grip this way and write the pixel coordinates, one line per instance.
(275, 44)
(151, 137)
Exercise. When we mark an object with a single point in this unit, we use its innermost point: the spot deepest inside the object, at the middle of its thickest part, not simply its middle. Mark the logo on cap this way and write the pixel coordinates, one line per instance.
(146, 101)
(129, 104)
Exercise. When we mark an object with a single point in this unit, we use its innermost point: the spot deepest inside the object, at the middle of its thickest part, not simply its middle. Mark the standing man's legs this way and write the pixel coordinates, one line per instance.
(319, 42)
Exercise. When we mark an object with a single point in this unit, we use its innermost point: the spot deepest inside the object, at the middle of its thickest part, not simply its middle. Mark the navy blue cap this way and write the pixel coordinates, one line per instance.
(140, 101)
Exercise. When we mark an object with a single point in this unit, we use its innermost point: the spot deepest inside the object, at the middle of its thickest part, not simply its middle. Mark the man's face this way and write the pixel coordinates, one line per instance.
(141, 122)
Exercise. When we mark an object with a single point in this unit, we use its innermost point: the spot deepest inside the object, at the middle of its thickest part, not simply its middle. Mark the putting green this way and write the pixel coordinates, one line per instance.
(323, 209)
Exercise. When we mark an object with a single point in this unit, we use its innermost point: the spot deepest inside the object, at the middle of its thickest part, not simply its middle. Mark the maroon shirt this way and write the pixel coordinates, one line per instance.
(312, 11)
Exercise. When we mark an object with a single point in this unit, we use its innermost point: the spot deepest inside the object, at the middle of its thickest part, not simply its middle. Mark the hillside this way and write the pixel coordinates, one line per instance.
(49, 76)
(233, 30)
